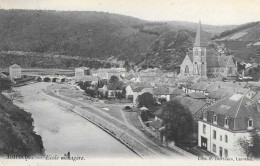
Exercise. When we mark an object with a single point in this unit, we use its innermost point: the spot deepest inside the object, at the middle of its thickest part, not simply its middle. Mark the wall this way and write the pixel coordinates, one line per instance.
(234, 150)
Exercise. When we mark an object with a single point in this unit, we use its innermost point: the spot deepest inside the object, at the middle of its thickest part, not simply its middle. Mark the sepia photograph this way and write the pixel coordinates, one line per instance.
(129, 82)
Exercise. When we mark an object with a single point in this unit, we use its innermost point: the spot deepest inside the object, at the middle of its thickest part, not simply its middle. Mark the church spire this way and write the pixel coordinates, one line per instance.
(200, 40)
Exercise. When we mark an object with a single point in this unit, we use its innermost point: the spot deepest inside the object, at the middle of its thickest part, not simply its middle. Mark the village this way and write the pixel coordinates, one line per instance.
(216, 108)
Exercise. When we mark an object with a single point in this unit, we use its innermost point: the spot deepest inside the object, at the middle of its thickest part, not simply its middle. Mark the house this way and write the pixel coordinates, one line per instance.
(82, 71)
(162, 92)
(93, 80)
(139, 90)
(158, 126)
(113, 88)
(149, 75)
(129, 93)
(204, 61)
(15, 72)
(224, 123)
(106, 74)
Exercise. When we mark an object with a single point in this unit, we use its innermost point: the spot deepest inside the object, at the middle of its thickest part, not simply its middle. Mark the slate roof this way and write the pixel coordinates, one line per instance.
(193, 104)
(200, 40)
(238, 109)
(137, 87)
(221, 93)
(197, 95)
(161, 91)
(156, 124)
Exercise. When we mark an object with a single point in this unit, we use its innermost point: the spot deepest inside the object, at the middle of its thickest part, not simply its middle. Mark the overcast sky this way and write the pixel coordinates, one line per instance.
(217, 12)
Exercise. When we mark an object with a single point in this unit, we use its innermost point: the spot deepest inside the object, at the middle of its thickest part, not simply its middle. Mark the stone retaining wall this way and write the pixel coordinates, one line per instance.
(135, 145)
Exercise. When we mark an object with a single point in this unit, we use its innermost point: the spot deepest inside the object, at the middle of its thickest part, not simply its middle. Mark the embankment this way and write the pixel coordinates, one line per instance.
(135, 145)
(16, 131)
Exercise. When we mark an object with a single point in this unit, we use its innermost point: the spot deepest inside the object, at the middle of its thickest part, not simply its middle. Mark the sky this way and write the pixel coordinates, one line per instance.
(214, 12)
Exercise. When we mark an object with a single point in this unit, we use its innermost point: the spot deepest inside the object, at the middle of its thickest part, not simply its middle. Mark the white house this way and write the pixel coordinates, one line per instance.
(226, 122)
(129, 93)
(15, 72)
(81, 72)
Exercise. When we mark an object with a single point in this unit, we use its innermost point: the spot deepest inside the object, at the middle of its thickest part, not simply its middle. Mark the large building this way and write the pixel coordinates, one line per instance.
(206, 62)
(15, 72)
(225, 123)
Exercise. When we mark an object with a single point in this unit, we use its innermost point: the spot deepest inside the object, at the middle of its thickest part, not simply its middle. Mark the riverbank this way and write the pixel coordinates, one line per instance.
(17, 135)
(111, 115)
(64, 131)
(139, 148)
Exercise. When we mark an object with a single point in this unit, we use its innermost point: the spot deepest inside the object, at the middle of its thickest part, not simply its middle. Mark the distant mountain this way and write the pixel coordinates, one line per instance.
(243, 41)
(93, 35)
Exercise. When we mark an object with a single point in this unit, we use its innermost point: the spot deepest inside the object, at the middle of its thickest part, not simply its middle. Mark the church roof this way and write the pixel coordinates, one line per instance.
(200, 40)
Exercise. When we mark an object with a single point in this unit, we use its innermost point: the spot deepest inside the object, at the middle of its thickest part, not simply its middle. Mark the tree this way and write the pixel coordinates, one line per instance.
(251, 147)
(114, 79)
(5, 84)
(178, 121)
(146, 100)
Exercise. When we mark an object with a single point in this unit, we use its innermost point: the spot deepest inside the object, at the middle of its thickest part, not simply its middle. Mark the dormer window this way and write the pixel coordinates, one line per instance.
(214, 119)
(250, 124)
(226, 122)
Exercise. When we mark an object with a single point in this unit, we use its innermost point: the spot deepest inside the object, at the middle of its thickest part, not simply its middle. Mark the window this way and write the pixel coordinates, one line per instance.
(220, 137)
(226, 153)
(214, 134)
(214, 148)
(226, 122)
(186, 69)
(226, 138)
(196, 52)
(230, 70)
(204, 129)
(220, 151)
(250, 123)
(215, 119)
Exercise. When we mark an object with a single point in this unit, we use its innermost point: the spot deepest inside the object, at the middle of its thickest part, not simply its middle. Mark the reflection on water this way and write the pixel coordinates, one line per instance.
(64, 131)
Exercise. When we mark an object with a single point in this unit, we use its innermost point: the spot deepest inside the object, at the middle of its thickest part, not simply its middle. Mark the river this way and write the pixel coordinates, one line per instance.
(63, 131)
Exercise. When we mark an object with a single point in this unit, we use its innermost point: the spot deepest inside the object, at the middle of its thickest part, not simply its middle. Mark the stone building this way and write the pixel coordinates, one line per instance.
(15, 72)
(206, 62)
(225, 123)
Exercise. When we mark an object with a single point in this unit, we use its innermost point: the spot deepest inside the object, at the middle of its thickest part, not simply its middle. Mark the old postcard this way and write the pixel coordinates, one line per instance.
(129, 82)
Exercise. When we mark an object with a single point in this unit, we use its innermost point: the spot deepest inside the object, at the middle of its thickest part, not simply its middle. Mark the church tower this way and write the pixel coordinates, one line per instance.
(199, 54)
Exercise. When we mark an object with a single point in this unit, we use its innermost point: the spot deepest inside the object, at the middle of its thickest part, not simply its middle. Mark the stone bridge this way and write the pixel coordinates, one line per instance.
(52, 78)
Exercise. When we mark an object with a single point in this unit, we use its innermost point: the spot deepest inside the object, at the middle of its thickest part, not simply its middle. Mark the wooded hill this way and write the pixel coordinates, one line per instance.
(95, 35)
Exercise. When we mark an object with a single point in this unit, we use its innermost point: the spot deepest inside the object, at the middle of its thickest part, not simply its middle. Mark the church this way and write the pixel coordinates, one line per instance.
(207, 63)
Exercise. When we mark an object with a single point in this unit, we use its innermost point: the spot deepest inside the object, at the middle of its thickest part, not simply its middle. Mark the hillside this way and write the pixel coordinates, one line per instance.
(93, 35)
(16, 131)
(243, 41)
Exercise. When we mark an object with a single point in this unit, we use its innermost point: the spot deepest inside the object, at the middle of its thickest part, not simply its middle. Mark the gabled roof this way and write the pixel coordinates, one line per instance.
(193, 104)
(161, 91)
(156, 124)
(15, 66)
(200, 40)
